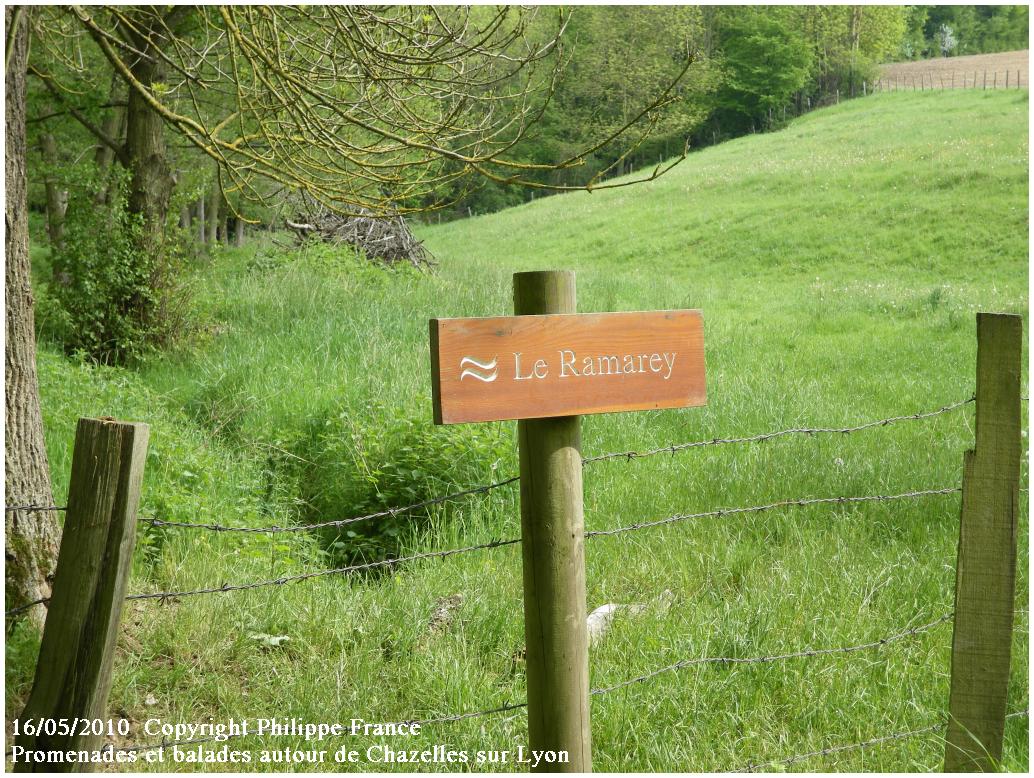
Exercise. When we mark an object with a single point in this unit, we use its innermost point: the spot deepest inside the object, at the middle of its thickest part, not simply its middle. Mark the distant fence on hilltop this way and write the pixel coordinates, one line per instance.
(962, 79)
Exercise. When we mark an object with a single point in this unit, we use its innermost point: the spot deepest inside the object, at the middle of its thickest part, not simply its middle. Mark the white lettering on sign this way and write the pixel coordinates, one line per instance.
(574, 366)
(540, 369)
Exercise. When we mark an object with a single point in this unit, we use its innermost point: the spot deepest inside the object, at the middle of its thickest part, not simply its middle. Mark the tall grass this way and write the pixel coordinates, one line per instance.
(838, 263)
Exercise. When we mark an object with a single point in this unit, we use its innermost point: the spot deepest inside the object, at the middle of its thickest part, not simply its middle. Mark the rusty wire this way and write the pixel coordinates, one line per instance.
(627, 455)
(27, 606)
(338, 522)
(165, 596)
(770, 506)
(676, 447)
(778, 657)
(169, 595)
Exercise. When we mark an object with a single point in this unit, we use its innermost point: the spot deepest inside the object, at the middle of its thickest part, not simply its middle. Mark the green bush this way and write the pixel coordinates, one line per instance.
(349, 463)
(106, 298)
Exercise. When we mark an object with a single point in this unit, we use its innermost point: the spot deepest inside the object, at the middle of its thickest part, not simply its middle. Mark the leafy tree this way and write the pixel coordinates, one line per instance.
(913, 42)
(848, 41)
(618, 59)
(765, 60)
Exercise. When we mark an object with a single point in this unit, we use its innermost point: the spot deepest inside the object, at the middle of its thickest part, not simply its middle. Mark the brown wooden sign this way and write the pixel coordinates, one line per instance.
(529, 367)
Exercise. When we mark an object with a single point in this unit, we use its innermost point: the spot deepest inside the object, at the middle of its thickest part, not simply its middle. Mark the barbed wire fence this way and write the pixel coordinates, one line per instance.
(166, 596)
(878, 643)
(516, 706)
(903, 634)
(484, 489)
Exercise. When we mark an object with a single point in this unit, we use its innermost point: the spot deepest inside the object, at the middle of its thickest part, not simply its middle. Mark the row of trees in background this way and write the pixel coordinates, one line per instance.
(750, 64)
(957, 30)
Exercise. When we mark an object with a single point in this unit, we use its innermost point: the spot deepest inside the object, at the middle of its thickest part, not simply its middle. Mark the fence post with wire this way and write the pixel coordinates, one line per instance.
(74, 670)
(985, 574)
(73, 675)
(553, 551)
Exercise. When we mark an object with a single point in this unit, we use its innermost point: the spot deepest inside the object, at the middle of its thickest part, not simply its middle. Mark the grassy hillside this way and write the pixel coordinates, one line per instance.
(838, 264)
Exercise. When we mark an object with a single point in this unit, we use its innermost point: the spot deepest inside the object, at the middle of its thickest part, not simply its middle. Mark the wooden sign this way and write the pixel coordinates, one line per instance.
(529, 367)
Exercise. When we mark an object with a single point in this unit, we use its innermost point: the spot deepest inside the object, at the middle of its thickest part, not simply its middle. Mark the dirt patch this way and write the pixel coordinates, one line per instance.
(1007, 69)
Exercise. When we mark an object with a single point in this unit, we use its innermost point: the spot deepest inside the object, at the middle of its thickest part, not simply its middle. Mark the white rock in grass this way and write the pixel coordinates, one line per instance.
(150, 700)
(600, 620)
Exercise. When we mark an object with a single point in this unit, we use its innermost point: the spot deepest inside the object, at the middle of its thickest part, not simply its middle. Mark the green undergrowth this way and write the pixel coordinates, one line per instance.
(839, 265)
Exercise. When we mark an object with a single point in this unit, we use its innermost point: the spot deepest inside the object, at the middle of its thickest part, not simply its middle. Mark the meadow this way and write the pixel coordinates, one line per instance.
(839, 264)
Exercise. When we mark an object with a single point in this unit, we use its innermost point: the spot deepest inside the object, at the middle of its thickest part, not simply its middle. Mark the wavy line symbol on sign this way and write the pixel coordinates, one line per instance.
(486, 371)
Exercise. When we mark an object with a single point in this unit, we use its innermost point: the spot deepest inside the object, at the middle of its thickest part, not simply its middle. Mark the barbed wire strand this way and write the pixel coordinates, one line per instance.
(837, 749)
(587, 460)
(169, 595)
(771, 506)
(676, 447)
(320, 573)
(627, 455)
(779, 657)
(27, 606)
(512, 541)
(338, 522)
(506, 707)
(853, 746)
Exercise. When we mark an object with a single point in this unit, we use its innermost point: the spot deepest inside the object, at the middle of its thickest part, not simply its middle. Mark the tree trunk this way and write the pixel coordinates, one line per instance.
(201, 219)
(184, 217)
(239, 234)
(212, 214)
(151, 179)
(31, 536)
(114, 127)
(57, 200)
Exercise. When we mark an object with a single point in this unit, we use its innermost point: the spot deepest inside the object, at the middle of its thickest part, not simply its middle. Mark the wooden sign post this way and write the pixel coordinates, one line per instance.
(545, 367)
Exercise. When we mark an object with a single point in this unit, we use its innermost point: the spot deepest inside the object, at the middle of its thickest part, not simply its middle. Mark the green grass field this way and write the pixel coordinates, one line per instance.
(839, 264)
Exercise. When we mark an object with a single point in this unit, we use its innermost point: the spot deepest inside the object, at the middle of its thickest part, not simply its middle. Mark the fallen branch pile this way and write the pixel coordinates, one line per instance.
(383, 239)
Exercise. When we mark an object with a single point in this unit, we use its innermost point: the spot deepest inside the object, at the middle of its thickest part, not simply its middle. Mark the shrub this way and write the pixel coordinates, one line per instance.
(349, 464)
(106, 299)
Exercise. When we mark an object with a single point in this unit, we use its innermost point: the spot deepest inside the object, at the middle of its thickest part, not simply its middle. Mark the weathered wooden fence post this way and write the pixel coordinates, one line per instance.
(552, 529)
(73, 674)
(985, 576)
